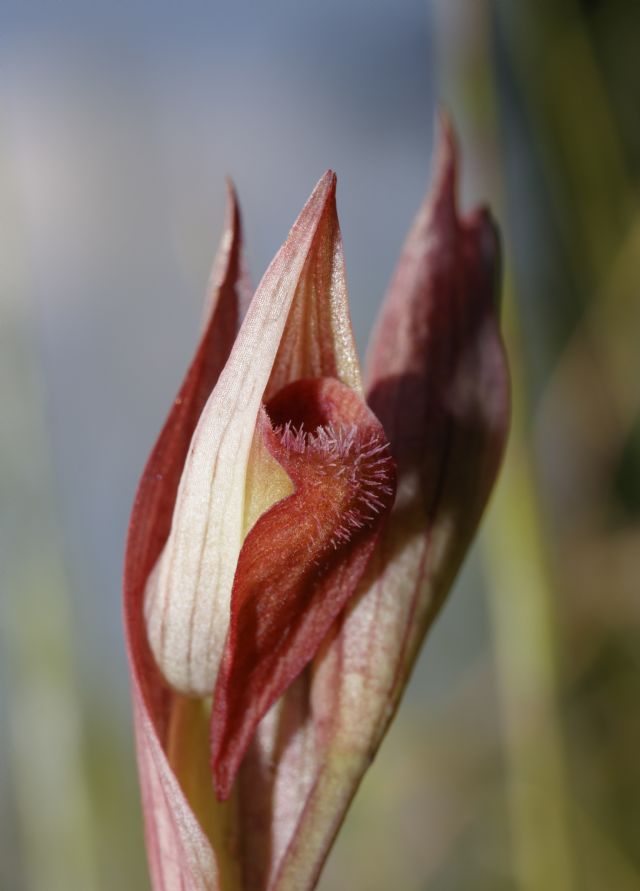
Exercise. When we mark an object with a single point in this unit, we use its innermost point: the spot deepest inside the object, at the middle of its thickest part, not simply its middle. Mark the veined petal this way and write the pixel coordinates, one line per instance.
(304, 558)
(290, 328)
(258, 517)
(318, 340)
(437, 380)
(180, 853)
(437, 356)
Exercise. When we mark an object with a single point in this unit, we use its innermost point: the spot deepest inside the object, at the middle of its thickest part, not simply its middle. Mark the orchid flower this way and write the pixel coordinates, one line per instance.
(295, 532)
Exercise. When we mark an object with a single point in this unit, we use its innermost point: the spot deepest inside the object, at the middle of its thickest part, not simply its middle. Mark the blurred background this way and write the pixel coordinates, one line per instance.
(513, 763)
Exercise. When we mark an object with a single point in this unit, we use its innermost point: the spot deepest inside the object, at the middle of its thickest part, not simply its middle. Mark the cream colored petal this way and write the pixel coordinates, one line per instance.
(188, 592)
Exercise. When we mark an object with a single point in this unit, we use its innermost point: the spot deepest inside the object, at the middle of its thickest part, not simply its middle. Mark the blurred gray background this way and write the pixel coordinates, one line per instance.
(118, 123)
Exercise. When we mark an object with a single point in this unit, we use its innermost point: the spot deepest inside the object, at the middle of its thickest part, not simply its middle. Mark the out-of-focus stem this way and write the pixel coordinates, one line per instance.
(595, 210)
(561, 84)
(521, 598)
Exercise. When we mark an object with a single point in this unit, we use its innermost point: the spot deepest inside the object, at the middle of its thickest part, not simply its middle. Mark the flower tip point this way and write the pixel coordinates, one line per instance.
(444, 164)
(445, 131)
(231, 198)
(327, 183)
(321, 200)
(446, 144)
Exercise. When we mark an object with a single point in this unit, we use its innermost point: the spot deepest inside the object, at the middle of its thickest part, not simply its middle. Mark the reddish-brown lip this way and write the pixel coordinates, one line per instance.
(302, 561)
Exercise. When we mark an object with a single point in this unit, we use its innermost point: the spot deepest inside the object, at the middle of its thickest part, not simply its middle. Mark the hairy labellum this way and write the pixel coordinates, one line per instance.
(276, 590)
(302, 561)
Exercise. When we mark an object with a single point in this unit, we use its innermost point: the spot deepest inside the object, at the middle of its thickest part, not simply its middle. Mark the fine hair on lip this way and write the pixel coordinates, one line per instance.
(342, 453)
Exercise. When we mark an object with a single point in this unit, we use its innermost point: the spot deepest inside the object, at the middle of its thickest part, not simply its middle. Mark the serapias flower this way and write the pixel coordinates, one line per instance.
(295, 533)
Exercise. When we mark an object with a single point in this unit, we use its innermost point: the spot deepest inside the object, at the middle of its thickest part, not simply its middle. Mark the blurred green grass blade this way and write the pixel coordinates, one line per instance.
(523, 624)
(42, 728)
(521, 596)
